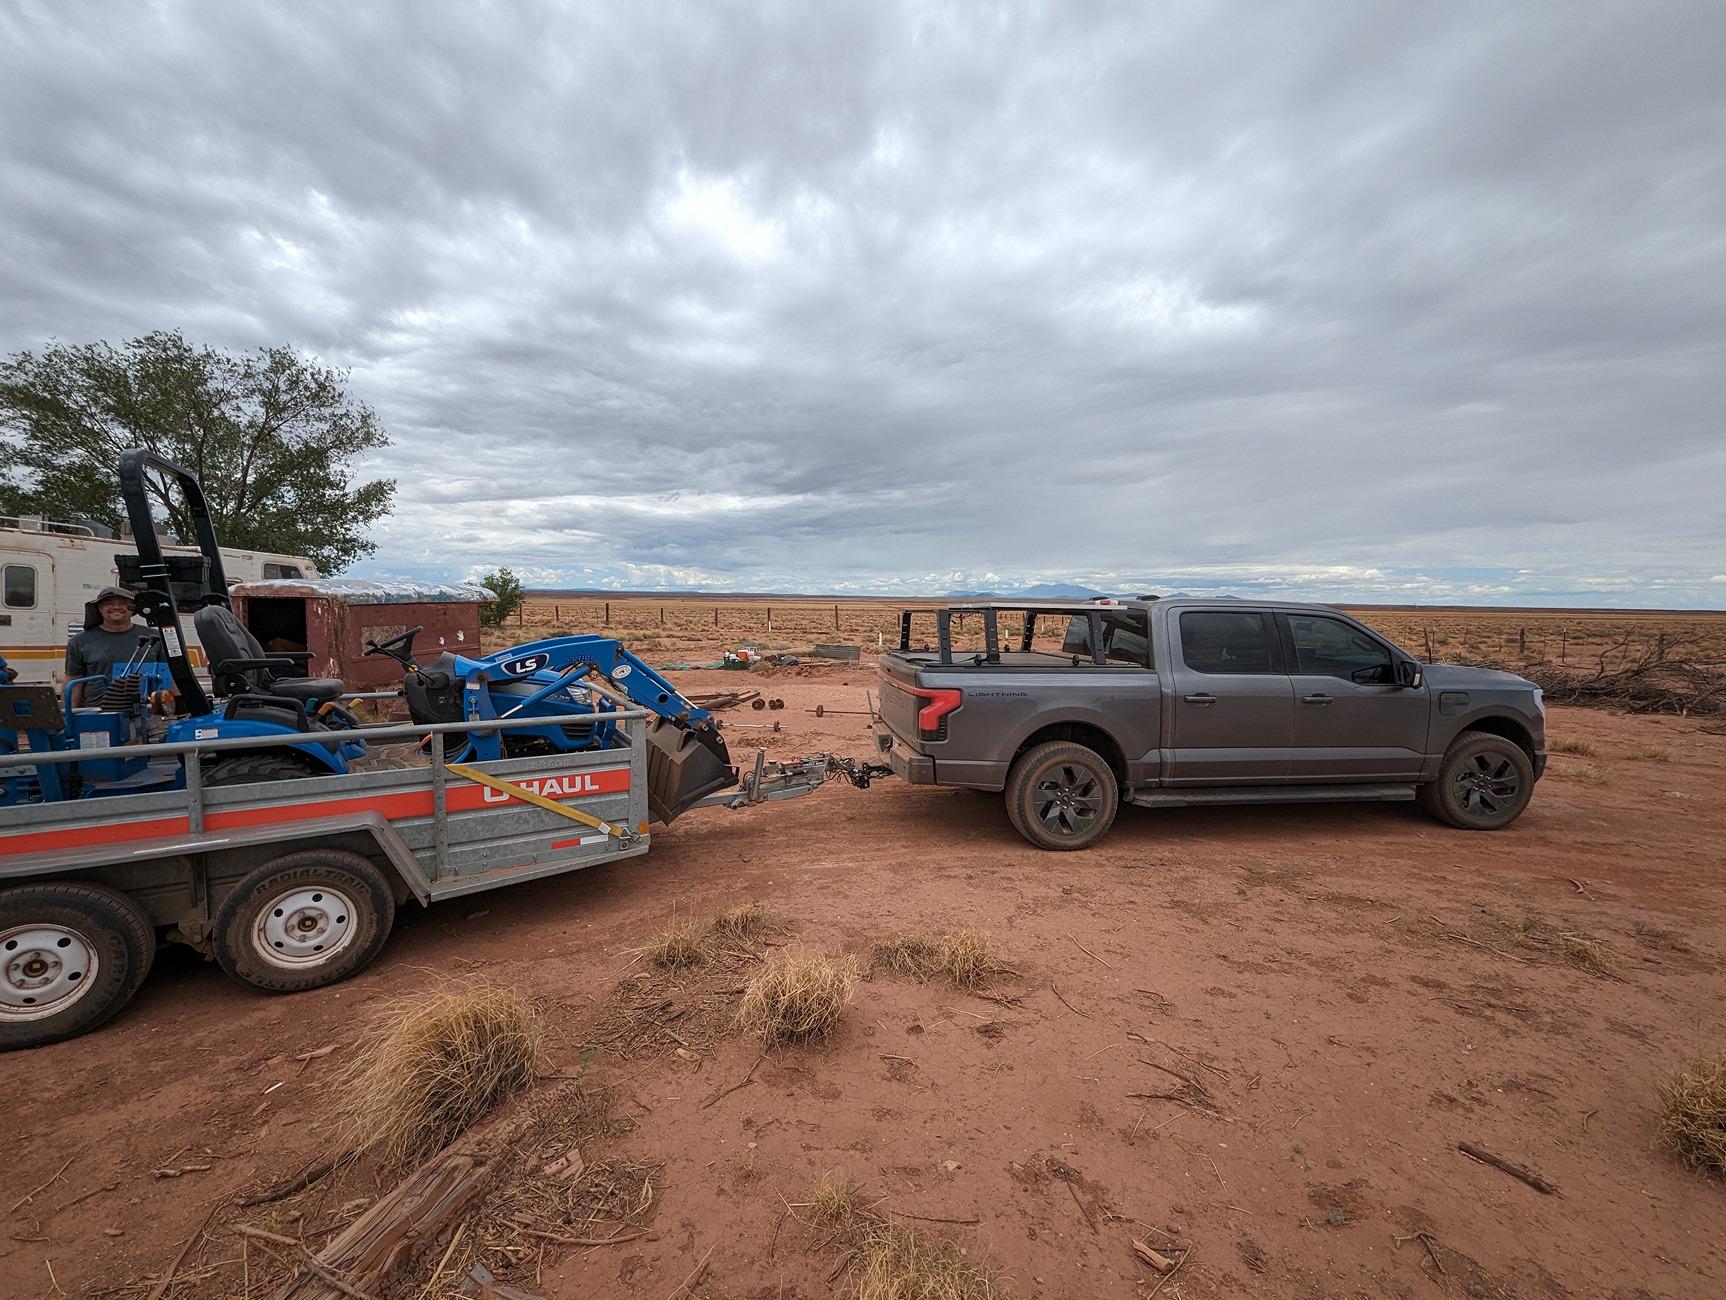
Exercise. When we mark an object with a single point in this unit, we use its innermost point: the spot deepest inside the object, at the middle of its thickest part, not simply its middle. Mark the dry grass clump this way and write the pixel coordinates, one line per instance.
(965, 958)
(915, 955)
(1572, 947)
(1581, 748)
(962, 955)
(835, 1200)
(1693, 1115)
(437, 1064)
(1650, 754)
(904, 1264)
(797, 998)
(1586, 773)
(750, 923)
(678, 946)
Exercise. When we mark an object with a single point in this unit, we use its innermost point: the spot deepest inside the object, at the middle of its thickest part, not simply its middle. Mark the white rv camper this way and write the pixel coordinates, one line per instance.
(50, 569)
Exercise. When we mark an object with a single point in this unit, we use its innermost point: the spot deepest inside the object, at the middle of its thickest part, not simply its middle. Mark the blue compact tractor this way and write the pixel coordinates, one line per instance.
(145, 701)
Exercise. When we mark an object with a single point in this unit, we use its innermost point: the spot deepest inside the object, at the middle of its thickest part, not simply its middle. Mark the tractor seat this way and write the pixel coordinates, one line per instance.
(235, 667)
(308, 690)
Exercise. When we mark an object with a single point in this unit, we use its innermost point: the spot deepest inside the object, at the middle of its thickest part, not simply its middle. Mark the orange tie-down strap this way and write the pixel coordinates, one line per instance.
(533, 797)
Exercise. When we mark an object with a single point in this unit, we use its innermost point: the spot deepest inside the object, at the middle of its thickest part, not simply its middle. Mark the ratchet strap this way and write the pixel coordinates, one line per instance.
(529, 796)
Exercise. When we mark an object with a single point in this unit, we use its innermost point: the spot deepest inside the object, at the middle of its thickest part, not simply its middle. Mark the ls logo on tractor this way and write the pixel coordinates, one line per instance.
(525, 665)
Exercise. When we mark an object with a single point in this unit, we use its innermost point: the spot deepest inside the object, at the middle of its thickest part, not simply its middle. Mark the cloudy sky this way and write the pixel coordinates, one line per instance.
(1389, 301)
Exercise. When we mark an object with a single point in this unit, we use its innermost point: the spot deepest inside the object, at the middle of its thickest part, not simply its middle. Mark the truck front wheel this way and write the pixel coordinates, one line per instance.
(1061, 795)
(1483, 784)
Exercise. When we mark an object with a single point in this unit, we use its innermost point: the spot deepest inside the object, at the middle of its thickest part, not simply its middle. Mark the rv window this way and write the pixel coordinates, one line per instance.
(20, 586)
(282, 571)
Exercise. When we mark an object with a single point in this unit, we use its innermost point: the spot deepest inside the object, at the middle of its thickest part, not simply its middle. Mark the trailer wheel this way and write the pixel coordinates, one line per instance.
(304, 920)
(71, 955)
(1061, 795)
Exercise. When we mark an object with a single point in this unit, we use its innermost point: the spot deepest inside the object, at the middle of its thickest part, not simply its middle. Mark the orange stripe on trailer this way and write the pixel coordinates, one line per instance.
(463, 797)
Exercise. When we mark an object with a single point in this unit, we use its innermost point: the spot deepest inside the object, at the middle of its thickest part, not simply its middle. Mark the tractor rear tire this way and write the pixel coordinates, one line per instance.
(71, 955)
(244, 769)
(1062, 796)
(304, 920)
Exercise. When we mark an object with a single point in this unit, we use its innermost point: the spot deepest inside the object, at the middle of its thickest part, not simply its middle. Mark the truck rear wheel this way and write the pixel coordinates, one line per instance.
(1483, 784)
(304, 920)
(71, 955)
(1061, 795)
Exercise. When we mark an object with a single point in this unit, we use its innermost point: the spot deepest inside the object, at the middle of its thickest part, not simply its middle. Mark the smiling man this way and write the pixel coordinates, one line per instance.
(114, 641)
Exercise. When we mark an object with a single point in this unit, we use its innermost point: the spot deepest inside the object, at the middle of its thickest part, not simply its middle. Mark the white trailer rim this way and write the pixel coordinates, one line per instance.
(44, 970)
(304, 927)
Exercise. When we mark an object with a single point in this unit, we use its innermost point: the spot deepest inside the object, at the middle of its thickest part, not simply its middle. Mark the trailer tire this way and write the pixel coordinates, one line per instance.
(1062, 796)
(83, 947)
(304, 920)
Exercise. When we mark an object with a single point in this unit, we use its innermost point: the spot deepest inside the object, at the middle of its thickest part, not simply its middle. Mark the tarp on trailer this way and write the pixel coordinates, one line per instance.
(362, 591)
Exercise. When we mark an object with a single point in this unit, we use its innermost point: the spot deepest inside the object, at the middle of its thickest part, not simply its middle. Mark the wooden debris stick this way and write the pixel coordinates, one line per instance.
(1155, 1258)
(161, 1287)
(694, 1277)
(1093, 956)
(1499, 1163)
(745, 1082)
(298, 1183)
(29, 1195)
(930, 1218)
(1069, 1005)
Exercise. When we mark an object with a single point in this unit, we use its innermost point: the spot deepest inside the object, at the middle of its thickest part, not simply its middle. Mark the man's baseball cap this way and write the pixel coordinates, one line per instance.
(115, 593)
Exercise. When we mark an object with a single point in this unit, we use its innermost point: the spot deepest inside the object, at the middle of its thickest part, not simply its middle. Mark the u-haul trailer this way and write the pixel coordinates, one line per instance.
(294, 884)
(50, 569)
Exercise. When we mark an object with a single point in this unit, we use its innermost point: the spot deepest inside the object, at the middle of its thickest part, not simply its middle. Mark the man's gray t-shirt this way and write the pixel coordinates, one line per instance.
(99, 651)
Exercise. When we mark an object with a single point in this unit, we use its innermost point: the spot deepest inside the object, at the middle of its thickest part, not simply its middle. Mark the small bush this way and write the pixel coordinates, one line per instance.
(1693, 1115)
(677, 947)
(834, 1202)
(965, 958)
(1650, 754)
(916, 955)
(903, 1264)
(797, 998)
(1586, 773)
(750, 923)
(1581, 748)
(1569, 946)
(437, 1065)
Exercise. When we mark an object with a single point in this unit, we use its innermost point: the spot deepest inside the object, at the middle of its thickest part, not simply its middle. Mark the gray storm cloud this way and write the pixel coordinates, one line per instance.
(1349, 302)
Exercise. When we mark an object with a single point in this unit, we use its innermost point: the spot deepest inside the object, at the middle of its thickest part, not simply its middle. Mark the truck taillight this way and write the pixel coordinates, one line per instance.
(937, 704)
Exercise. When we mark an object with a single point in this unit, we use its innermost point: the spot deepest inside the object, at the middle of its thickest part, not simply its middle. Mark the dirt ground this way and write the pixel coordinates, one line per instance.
(1328, 1000)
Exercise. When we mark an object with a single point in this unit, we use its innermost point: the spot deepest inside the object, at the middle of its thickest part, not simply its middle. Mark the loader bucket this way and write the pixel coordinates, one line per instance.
(684, 766)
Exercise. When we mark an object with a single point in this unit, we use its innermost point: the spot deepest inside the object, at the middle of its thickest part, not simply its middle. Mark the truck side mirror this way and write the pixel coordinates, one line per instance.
(1408, 673)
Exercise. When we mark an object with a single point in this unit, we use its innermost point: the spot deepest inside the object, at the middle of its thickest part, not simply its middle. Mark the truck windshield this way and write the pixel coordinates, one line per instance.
(1124, 639)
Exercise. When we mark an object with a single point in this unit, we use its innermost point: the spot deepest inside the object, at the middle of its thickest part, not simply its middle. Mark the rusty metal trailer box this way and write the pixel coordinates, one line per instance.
(333, 618)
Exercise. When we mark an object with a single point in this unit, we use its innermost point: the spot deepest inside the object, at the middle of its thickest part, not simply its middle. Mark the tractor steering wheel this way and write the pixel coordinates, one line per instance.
(400, 648)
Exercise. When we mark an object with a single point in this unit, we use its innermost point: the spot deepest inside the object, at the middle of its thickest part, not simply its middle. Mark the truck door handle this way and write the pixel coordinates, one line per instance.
(1315, 699)
(1201, 698)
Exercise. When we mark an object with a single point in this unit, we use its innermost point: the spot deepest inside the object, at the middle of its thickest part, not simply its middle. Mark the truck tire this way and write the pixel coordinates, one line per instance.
(304, 920)
(1484, 783)
(1062, 796)
(71, 955)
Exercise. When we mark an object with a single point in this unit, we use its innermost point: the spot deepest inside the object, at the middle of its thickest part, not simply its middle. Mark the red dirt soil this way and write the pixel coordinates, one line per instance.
(1347, 986)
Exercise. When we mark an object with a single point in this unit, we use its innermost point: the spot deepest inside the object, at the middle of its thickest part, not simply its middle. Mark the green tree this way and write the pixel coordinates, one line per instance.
(509, 592)
(271, 435)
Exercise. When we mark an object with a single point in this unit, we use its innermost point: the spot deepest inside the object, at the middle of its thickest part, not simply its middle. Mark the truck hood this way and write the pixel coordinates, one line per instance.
(1458, 677)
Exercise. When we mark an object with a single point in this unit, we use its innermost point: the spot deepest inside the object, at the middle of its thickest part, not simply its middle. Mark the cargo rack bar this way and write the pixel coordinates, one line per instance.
(991, 611)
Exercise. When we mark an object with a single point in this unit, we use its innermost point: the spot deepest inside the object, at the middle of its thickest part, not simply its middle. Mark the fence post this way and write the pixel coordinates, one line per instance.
(608, 613)
(770, 618)
(836, 618)
(1522, 641)
(662, 616)
(521, 613)
(1563, 643)
(716, 616)
(557, 614)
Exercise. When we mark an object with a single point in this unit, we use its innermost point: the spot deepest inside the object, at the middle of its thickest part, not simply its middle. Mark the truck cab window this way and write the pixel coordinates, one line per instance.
(20, 586)
(1124, 638)
(1226, 641)
(272, 570)
(1328, 647)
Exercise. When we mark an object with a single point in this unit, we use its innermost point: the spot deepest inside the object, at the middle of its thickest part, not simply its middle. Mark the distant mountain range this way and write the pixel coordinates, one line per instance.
(1039, 591)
